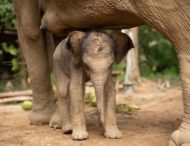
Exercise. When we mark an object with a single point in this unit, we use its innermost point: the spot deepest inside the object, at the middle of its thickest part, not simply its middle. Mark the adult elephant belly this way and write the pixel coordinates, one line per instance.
(61, 18)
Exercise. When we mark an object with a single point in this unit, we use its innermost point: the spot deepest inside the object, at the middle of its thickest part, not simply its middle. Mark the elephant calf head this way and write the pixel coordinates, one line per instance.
(98, 50)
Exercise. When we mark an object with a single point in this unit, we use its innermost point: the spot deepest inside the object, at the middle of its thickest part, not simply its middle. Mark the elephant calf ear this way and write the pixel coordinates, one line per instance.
(74, 43)
(123, 44)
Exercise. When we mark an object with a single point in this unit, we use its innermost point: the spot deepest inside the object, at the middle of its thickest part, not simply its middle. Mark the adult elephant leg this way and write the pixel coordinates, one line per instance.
(110, 125)
(174, 23)
(33, 47)
(181, 137)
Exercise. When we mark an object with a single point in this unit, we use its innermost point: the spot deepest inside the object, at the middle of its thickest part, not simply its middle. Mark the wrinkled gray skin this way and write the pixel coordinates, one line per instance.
(170, 17)
(78, 58)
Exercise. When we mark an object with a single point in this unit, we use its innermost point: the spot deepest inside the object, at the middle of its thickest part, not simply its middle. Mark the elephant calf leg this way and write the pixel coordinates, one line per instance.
(61, 118)
(77, 110)
(110, 125)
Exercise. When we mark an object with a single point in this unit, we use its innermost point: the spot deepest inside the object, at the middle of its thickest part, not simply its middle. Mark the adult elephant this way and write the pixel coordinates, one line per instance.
(170, 17)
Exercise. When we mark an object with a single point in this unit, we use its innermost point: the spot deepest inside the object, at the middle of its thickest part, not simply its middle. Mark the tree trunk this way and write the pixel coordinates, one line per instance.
(132, 74)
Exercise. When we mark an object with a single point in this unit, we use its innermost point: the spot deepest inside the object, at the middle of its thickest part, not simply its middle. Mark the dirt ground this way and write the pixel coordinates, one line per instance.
(160, 114)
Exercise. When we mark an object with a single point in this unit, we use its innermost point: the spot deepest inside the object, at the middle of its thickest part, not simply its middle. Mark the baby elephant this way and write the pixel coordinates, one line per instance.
(84, 56)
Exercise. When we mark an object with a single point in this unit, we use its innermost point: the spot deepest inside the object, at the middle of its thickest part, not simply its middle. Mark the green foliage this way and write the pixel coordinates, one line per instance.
(9, 56)
(10, 66)
(9, 53)
(120, 68)
(90, 99)
(7, 17)
(157, 56)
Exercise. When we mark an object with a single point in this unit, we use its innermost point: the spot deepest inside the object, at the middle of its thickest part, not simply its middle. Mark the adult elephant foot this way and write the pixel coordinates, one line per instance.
(113, 133)
(79, 133)
(180, 137)
(43, 114)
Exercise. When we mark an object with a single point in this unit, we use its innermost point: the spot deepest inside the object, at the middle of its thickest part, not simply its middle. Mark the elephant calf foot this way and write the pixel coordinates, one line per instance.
(79, 133)
(42, 116)
(56, 121)
(113, 132)
(180, 137)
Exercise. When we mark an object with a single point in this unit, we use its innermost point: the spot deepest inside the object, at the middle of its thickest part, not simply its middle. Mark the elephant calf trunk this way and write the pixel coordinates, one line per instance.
(99, 84)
